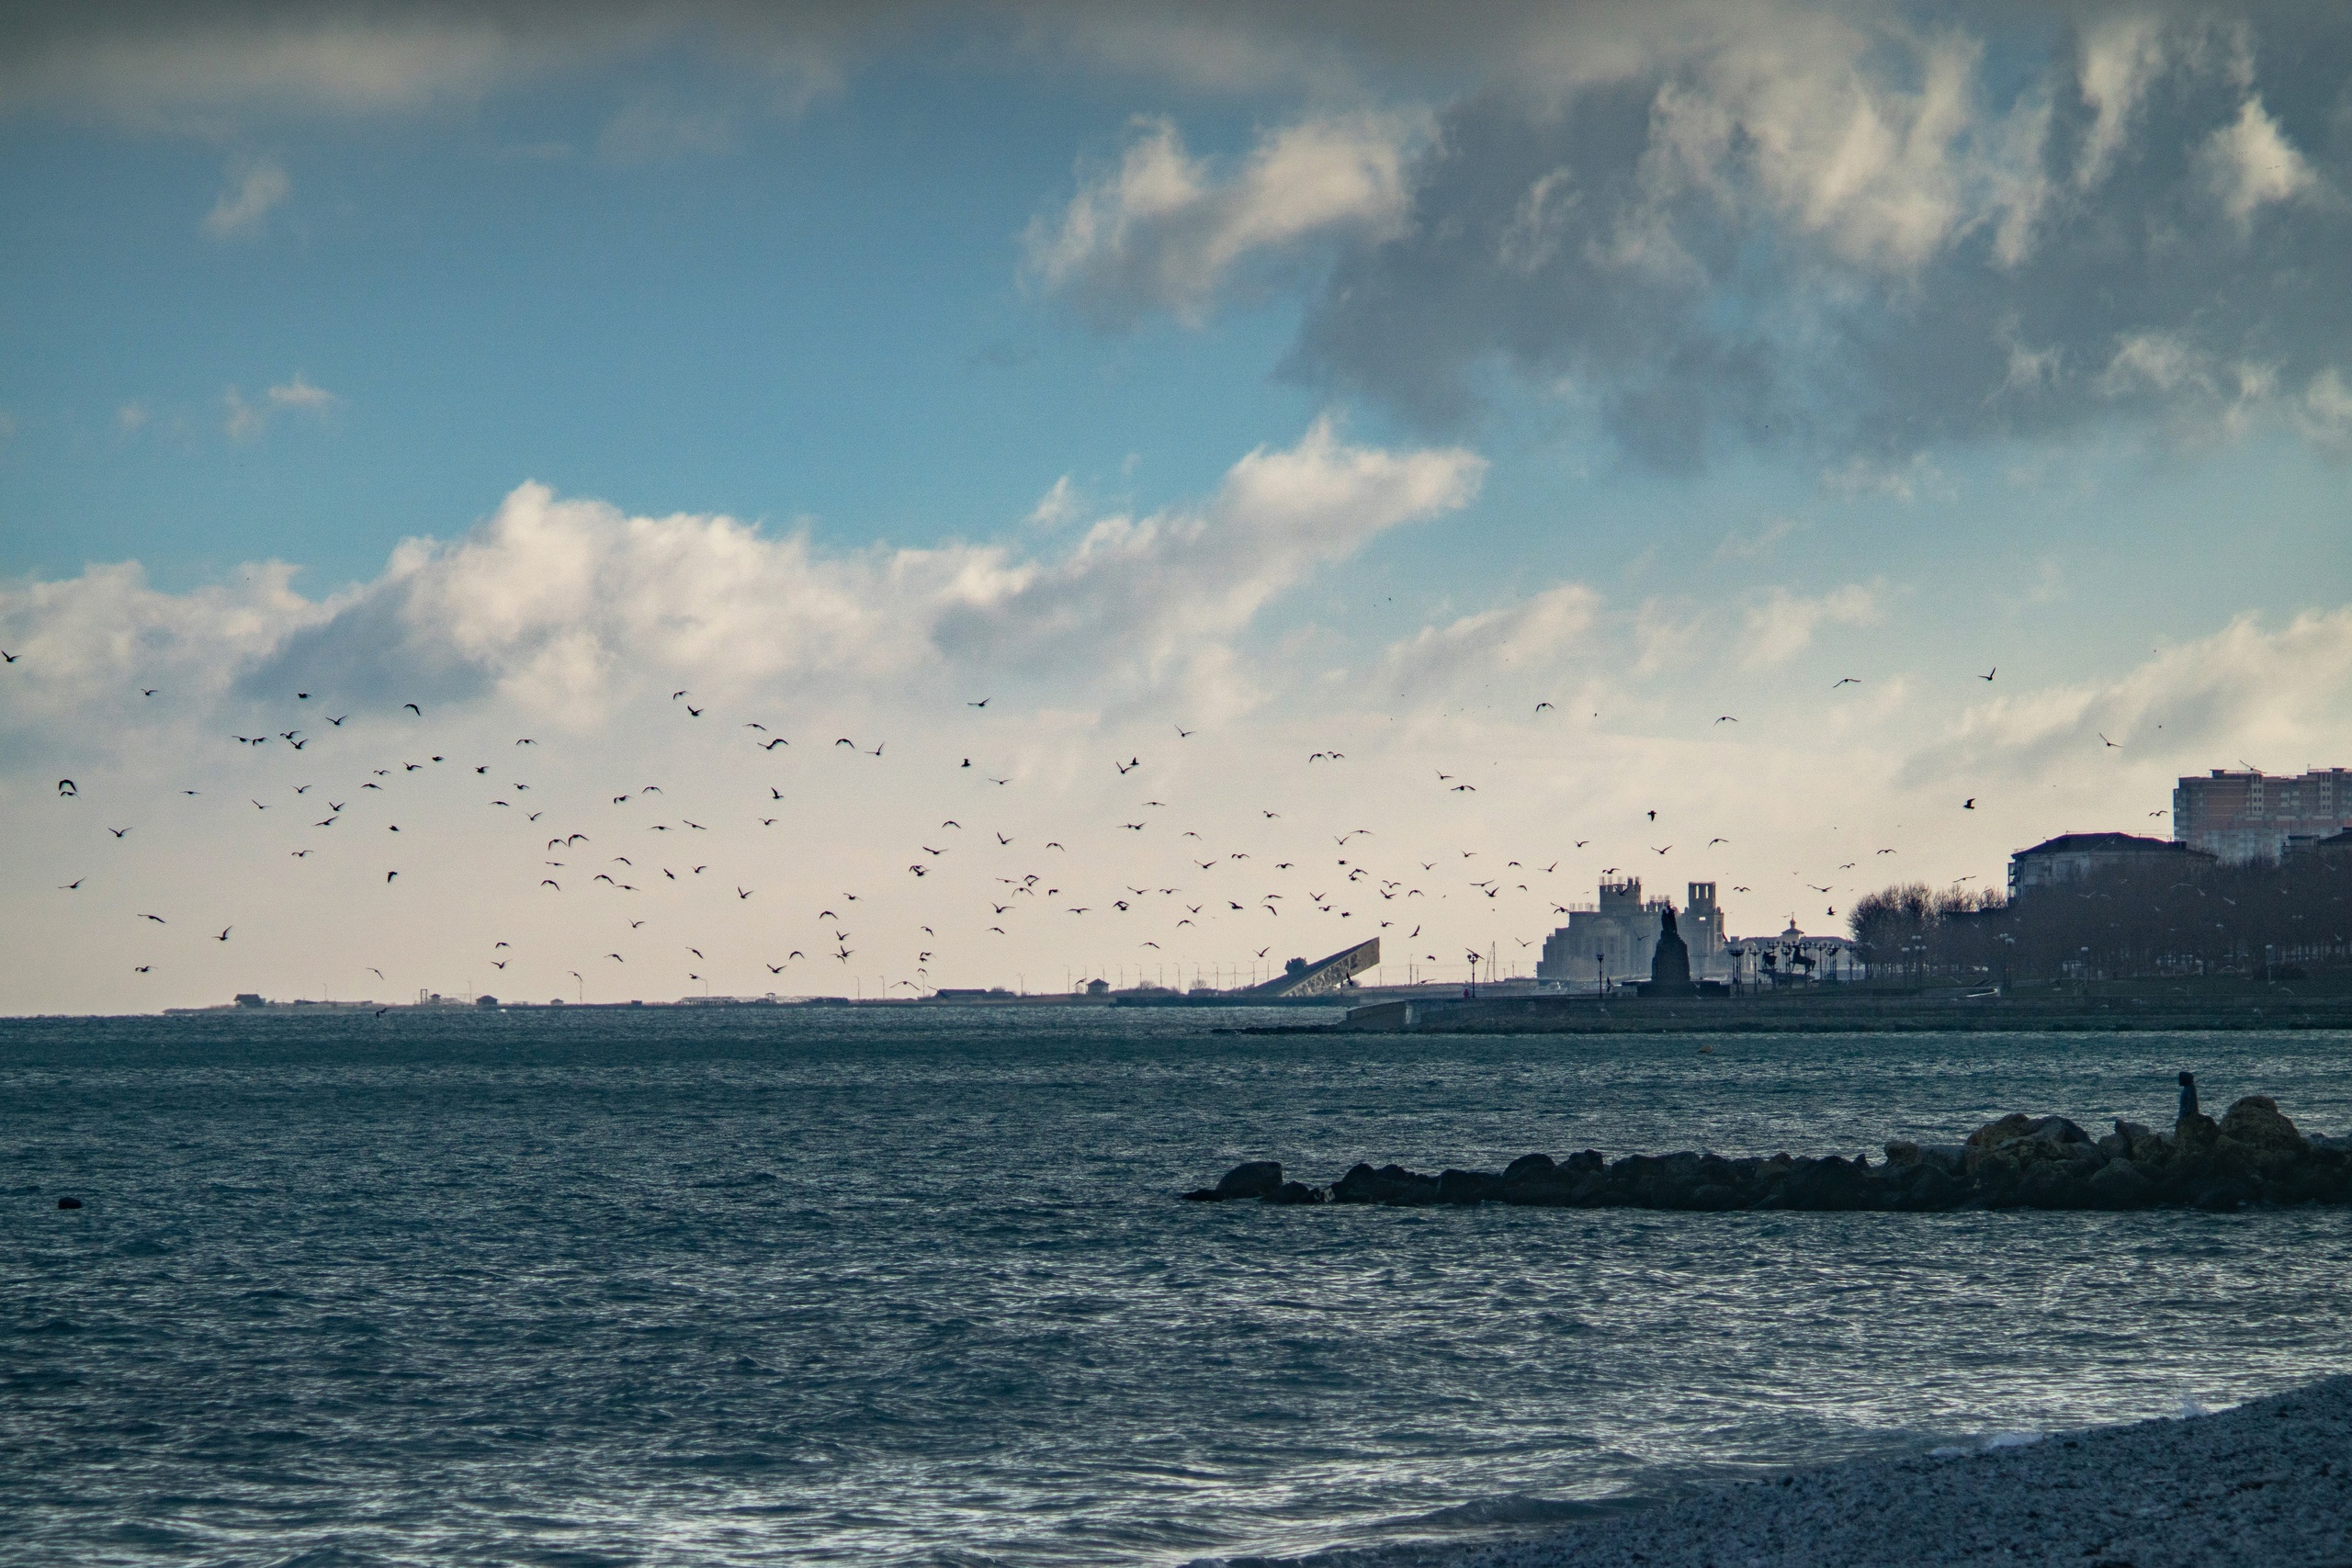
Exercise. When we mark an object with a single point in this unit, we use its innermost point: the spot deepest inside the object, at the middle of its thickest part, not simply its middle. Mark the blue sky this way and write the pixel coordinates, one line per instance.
(1275, 373)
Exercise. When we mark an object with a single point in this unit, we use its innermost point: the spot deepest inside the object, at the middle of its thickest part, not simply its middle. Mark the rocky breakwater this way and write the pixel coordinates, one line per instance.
(2253, 1155)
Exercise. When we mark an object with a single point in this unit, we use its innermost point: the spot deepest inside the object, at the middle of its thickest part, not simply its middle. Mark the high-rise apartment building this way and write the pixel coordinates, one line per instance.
(2255, 815)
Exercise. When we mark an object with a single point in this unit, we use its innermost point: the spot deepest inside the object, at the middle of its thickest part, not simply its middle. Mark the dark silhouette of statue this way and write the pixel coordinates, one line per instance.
(1670, 963)
(2188, 1094)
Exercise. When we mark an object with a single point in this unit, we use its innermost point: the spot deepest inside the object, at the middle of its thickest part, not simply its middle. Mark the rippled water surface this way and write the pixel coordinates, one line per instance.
(912, 1287)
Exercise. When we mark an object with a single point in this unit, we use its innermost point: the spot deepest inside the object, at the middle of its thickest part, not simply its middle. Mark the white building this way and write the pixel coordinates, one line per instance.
(1614, 939)
(1792, 958)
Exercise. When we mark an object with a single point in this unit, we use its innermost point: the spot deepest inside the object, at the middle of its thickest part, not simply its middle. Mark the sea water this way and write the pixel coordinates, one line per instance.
(910, 1286)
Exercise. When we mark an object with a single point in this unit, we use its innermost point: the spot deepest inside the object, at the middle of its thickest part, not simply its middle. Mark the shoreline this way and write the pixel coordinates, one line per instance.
(2268, 1481)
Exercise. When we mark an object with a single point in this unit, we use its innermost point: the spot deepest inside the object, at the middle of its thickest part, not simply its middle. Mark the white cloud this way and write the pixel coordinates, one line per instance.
(1162, 228)
(1531, 636)
(1784, 624)
(2326, 411)
(1532, 237)
(241, 418)
(245, 420)
(2122, 57)
(564, 607)
(1903, 481)
(1888, 172)
(2215, 699)
(299, 393)
(2154, 361)
(131, 417)
(1056, 506)
(247, 200)
(2249, 163)
(202, 68)
(1755, 545)
(648, 131)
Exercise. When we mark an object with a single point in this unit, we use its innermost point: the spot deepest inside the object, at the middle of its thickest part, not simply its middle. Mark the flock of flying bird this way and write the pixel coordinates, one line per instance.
(618, 854)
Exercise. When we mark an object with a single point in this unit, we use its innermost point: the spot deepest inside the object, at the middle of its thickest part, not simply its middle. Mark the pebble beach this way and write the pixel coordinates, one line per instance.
(2266, 1482)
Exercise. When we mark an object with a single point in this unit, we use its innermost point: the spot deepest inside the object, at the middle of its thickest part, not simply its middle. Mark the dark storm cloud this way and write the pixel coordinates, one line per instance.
(1883, 238)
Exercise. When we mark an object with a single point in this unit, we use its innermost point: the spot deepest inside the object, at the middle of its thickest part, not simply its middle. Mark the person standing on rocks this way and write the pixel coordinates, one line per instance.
(2187, 1095)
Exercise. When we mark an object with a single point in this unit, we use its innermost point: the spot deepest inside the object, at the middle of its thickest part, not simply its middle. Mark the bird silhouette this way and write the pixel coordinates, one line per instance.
(224, 933)
(414, 709)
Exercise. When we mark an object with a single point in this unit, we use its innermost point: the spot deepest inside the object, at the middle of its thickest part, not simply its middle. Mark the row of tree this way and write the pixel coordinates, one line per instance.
(2201, 918)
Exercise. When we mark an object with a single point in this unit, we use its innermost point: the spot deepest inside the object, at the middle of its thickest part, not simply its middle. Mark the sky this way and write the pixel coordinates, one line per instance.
(850, 500)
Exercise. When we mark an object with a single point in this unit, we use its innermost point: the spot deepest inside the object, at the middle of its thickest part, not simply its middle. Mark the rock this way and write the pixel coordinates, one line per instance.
(2007, 1153)
(1662, 1181)
(1924, 1187)
(1466, 1186)
(1391, 1184)
(68, 1202)
(1829, 1183)
(2147, 1147)
(2253, 1155)
(1950, 1159)
(2267, 1140)
(2120, 1185)
(1529, 1168)
(1252, 1178)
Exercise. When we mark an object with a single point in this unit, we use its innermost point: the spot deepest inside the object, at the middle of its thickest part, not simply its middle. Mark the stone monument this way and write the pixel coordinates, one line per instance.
(1670, 963)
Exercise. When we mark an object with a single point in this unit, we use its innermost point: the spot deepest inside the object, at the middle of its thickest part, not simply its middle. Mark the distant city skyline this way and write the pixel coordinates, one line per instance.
(1707, 443)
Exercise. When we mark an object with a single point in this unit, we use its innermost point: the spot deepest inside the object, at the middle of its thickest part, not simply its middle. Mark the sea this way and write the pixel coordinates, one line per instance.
(915, 1286)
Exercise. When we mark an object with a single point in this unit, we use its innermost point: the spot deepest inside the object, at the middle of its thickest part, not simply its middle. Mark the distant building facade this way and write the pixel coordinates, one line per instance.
(2071, 857)
(2254, 816)
(1617, 938)
(1791, 958)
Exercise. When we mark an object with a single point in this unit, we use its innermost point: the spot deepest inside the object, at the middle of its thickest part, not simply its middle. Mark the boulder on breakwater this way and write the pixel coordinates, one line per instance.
(2253, 1155)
